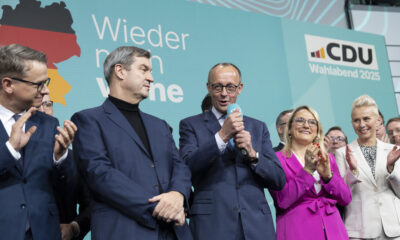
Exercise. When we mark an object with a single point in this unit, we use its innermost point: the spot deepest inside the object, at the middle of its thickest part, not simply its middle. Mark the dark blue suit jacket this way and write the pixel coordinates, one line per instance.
(31, 189)
(226, 184)
(69, 194)
(121, 174)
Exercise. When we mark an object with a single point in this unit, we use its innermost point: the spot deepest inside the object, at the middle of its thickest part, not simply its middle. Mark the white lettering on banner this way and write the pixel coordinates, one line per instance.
(174, 92)
(156, 38)
(137, 34)
(340, 72)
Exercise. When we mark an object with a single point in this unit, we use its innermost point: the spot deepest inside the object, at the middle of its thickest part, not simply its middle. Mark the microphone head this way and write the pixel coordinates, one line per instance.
(232, 107)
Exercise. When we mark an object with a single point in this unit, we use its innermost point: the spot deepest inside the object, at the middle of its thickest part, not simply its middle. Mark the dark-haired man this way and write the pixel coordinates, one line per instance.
(280, 124)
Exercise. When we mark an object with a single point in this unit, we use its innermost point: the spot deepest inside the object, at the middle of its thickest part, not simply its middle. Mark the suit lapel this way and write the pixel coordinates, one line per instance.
(32, 121)
(119, 119)
(153, 135)
(3, 139)
(361, 162)
(211, 122)
(381, 172)
(294, 164)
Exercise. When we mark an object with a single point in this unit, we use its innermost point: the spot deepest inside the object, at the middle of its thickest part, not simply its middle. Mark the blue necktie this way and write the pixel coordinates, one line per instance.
(27, 225)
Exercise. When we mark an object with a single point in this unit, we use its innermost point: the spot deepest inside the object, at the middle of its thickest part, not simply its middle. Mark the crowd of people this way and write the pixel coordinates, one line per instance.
(130, 180)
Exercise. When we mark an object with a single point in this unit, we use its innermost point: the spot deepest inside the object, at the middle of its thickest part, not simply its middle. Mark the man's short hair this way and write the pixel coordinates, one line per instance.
(13, 60)
(280, 116)
(123, 55)
(336, 128)
(395, 119)
(223, 64)
(206, 104)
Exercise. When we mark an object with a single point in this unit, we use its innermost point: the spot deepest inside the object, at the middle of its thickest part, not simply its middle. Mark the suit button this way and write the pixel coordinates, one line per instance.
(62, 177)
(23, 206)
(24, 180)
(152, 165)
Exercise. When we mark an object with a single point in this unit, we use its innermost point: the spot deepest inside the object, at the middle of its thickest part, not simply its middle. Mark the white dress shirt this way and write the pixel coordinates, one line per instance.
(6, 117)
(221, 144)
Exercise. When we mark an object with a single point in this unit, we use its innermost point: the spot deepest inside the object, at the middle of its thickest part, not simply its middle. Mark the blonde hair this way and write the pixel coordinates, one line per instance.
(365, 101)
(287, 150)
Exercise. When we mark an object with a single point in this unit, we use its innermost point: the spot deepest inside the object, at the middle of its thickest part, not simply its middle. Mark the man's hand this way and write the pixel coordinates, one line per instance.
(67, 231)
(169, 207)
(18, 138)
(232, 125)
(64, 138)
(243, 140)
(392, 157)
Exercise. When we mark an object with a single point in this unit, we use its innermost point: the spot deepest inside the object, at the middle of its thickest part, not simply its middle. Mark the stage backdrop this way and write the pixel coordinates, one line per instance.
(284, 63)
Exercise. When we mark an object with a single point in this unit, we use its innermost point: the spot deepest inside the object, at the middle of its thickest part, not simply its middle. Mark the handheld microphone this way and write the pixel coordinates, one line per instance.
(231, 108)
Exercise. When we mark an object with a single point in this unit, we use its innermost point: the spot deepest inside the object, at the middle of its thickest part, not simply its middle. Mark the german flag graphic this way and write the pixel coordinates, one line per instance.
(47, 29)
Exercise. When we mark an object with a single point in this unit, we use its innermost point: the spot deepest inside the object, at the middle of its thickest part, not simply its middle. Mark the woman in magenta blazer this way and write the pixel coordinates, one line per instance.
(306, 206)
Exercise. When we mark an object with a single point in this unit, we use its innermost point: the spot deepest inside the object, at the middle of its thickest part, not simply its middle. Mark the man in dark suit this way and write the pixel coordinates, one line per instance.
(228, 199)
(138, 182)
(33, 148)
(72, 192)
(280, 123)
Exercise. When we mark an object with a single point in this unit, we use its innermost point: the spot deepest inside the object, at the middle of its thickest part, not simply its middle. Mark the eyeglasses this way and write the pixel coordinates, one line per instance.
(230, 88)
(392, 132)
(47, 104)
(338, 139)
(282, 124)
(301, 122)
(39, 85)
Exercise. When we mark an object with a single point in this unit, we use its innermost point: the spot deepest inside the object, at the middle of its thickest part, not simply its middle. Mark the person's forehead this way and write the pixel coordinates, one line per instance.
(336, 133)
(141, 61)
(394, 124)
(305, 113)
(225, 72)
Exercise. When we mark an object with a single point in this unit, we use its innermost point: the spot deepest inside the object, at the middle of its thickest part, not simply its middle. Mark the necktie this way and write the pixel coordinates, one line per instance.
(16, 117)
(27, 225)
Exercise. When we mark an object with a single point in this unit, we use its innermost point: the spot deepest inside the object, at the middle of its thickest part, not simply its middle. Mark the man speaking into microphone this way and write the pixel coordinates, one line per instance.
(229, 178)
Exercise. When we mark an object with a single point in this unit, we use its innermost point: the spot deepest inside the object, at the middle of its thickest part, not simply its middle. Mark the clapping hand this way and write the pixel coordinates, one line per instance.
(392, 158)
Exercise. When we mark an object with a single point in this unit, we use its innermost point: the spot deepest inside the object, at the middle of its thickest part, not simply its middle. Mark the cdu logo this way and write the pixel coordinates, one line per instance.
(339, 52)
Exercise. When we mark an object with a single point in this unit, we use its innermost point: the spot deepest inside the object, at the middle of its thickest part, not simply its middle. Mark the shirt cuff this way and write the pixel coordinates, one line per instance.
(13, 152)
(221, 144)
(62, 158)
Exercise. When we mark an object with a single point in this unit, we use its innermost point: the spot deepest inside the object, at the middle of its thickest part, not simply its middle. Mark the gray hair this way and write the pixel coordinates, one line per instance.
(123, 55)
(14, 57)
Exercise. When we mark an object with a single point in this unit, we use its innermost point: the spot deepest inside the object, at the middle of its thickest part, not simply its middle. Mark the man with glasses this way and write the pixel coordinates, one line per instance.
(334, 139)
(33, 148)
(280, 123)
(393, 130)
(228, 198)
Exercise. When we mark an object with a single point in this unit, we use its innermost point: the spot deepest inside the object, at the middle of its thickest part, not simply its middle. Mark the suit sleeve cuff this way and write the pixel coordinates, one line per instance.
(13, 152)
(62, 158)
(221, 144)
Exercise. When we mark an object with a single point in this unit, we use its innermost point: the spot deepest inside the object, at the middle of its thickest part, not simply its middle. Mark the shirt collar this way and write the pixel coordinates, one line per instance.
(217, 114)
(6, 114)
